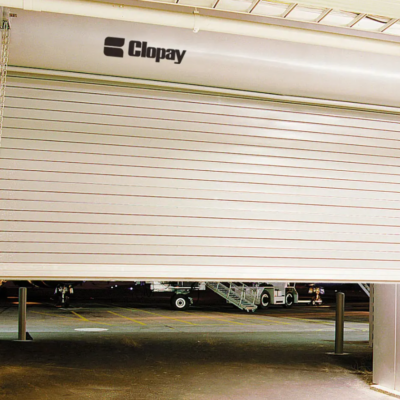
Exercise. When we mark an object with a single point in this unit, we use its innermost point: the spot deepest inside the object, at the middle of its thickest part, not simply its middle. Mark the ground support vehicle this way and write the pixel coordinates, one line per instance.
(284, 294)
(181, 298)
(247, 297)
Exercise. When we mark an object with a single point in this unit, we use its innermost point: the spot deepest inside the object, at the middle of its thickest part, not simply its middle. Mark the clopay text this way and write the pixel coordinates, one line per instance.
(113, 48)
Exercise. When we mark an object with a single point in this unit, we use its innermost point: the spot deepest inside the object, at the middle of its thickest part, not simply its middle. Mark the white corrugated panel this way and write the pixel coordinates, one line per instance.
(114, 182)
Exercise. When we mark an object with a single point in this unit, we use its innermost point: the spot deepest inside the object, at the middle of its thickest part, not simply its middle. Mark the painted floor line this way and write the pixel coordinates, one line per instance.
(222, 319)
(53, 315)
(70, 317)
(231, 322)
(262, 318)
(274, 321)
(80, 316)
(159, 315)
(316, 321)
(130, 319)
(88, 320)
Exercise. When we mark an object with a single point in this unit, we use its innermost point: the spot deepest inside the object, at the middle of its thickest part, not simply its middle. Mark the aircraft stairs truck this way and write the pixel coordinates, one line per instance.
(244, 296)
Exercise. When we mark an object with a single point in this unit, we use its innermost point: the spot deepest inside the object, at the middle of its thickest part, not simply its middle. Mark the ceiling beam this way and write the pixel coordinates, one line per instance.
(215, 4)
(389, 24)
(356, 20)
(324, 14)
(289, 10)
(254, 5)
(384, 8)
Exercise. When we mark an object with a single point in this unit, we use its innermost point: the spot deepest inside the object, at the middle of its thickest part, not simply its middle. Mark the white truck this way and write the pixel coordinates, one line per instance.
(247, 297)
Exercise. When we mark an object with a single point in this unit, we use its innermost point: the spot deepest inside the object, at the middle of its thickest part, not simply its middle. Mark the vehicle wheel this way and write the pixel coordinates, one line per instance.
(289, 300)
(180, 302)
(265, 300)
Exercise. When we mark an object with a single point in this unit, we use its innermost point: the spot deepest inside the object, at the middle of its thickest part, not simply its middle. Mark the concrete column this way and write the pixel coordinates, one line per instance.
(386, 340)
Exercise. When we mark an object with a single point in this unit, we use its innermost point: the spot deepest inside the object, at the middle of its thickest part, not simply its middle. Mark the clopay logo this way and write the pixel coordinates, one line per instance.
(113, 47)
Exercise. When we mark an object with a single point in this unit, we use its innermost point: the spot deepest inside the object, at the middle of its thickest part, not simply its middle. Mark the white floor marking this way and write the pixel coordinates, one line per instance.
(91, 329)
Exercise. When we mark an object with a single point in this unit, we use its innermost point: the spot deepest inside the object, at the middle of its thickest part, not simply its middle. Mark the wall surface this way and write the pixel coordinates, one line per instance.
(386, 368)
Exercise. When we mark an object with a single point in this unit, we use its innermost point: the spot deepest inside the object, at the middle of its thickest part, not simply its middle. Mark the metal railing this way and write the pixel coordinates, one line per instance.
(242, 296)
(366, 288)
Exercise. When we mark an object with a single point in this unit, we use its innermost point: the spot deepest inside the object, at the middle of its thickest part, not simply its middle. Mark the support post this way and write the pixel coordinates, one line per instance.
(22, 296)
(339, 328)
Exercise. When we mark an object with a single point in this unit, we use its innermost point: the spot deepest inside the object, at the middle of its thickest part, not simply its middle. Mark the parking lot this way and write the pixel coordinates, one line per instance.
(113, 350)
(114, 317)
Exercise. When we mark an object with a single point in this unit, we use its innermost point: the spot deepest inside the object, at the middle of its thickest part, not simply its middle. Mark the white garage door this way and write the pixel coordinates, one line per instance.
(114, 182)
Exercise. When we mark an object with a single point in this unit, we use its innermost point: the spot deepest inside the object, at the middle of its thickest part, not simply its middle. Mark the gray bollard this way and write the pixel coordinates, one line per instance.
(22, 296)
(339, 331)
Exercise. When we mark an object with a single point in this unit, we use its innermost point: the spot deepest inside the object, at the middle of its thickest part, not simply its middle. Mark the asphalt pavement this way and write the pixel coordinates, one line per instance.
(108, 350)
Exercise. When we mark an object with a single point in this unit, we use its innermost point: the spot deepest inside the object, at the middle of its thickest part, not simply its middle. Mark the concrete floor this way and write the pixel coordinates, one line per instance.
(204, 353)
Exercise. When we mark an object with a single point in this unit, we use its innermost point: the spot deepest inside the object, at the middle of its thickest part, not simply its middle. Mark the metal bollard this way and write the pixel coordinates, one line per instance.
(22, 296)
(339, 328)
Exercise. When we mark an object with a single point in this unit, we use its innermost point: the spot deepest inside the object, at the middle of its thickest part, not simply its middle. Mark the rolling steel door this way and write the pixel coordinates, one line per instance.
(103, 181)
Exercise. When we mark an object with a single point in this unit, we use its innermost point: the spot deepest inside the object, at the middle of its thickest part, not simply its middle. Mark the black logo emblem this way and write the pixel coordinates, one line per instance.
(112, 47)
